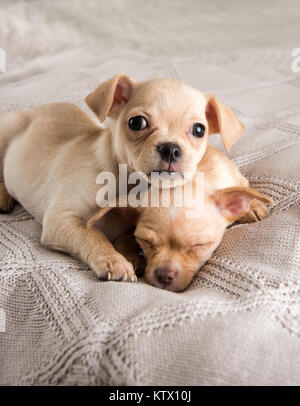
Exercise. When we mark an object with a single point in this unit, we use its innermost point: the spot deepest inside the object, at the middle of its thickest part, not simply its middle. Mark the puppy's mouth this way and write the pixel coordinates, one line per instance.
(165, 178)
(169, 168)
(171, 287)
(166, 172)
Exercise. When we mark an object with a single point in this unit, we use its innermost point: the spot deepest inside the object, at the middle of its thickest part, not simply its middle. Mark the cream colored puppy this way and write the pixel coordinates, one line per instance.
(174, 243)
(177, 246)
(51, 155)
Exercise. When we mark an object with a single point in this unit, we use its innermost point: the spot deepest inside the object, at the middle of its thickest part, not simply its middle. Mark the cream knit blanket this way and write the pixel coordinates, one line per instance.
(239, 321)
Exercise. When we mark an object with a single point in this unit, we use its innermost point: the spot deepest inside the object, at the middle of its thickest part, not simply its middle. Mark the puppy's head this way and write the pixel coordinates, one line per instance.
(176, 245)
(161, 125)
(177, 241)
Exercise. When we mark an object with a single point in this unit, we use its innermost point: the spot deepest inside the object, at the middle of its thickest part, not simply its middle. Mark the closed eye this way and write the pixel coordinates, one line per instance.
(201, 245)
(142, 242)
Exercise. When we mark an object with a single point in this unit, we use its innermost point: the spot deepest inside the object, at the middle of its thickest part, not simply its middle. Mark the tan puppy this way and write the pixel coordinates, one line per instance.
(51, 155)
(175, 245)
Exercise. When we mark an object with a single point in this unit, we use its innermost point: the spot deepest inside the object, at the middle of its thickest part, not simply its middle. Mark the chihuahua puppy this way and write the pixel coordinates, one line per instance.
(174, 243)
(51, 155)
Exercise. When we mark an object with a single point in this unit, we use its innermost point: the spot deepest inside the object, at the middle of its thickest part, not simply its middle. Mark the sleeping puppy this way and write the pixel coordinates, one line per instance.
(51, 156)
(176, 242)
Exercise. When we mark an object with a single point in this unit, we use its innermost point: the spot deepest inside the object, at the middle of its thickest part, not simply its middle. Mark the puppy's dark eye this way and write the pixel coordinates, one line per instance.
(137, 123)
(197, 130)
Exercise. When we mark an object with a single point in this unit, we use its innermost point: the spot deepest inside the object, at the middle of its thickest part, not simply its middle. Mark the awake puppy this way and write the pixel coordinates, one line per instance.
(51, 155)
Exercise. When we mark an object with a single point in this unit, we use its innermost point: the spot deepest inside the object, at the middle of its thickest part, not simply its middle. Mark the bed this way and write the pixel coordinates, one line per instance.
(239, 321)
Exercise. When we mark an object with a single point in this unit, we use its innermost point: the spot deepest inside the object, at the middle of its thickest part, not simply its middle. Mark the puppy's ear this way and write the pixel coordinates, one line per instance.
(110, 96)
(128, 215)
(234, 202)
(221, 119)
(101, 213)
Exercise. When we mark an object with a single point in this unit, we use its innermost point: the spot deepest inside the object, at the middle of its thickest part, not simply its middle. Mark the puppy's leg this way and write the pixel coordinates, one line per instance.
(11, 125)
(129, 248)
(71, 235)
(6, 201)
(257, 211)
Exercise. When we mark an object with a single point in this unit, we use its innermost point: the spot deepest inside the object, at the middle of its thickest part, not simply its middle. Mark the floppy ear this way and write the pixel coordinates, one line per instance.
(128, 215)
(234, 202)
(110, 96)
(101, 213)
(221, 119)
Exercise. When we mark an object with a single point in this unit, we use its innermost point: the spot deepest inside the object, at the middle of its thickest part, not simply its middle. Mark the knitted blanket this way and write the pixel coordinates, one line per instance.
(239, 321)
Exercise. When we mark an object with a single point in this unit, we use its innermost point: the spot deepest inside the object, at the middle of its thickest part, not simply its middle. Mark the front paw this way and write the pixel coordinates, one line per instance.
(129, 248)
(139, 262)
(113, 267)
(257, 211)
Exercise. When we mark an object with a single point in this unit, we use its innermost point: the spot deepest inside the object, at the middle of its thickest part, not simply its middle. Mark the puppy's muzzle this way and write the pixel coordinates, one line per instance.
(165, 275)
(169, 152)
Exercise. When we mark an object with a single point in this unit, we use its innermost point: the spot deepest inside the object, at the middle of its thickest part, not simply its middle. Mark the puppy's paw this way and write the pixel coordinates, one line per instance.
(7, 203)
(129, 248)
(137, 259)
(113, 267)
(139, 263)
(257, 211)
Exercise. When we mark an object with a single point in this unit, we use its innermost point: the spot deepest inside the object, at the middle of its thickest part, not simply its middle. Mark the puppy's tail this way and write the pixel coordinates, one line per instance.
(11, 125)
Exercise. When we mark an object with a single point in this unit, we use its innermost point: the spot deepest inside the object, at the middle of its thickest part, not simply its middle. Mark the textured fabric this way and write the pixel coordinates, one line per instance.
(157, 26)
(239, 321)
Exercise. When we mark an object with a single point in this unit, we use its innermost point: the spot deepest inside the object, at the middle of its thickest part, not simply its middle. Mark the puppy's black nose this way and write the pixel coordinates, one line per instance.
(169, 152)
(165, 275)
